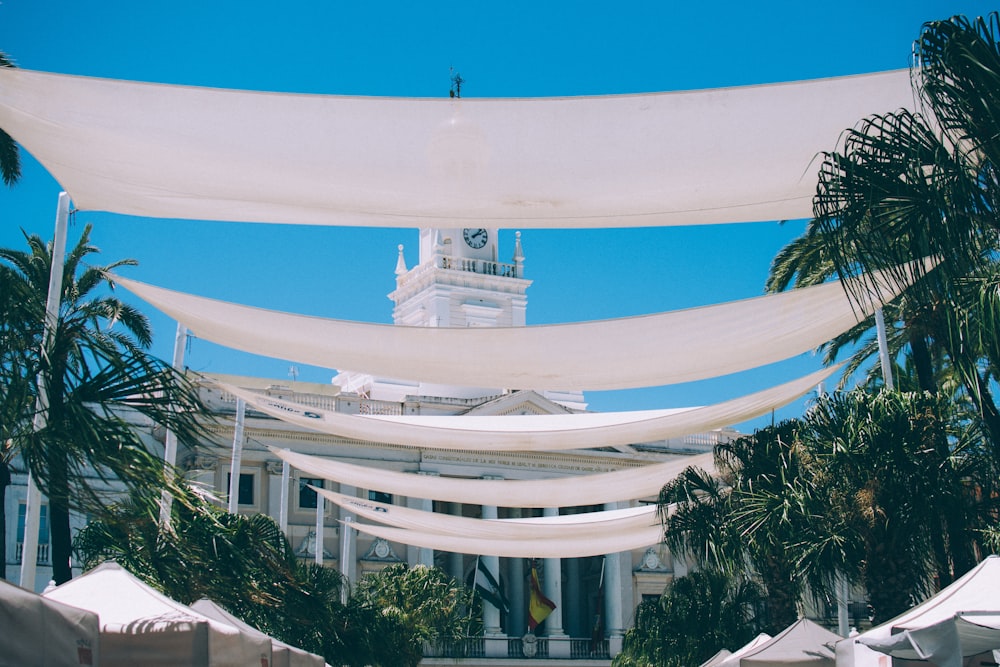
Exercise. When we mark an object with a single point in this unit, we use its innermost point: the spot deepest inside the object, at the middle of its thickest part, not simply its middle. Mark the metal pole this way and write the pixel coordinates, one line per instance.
(32, 510)
(234, 467)
(170, 441)
(345, 556)
(283, 508)
(320, 508)
(883, 349)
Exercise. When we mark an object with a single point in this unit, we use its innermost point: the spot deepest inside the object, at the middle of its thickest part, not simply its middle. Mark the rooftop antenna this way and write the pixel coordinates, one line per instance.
(456, 83)
(293, 372)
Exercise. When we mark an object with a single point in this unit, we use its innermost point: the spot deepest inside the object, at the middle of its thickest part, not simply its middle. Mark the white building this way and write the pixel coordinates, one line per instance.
(459, 281)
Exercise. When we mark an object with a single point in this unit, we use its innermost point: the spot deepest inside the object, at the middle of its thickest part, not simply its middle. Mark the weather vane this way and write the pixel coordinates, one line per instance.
(456, 83)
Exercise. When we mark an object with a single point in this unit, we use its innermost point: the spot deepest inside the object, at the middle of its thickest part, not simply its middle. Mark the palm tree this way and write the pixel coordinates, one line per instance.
(96, 371)
(747, 517)
(906, 186)
(10, 157)
(695, 617)
(901, 488)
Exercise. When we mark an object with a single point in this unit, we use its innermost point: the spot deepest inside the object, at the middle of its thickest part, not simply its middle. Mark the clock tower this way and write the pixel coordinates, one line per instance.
(459, 281)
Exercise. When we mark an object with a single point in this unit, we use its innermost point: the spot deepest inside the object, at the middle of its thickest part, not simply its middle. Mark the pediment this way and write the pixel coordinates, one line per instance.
(523, 402)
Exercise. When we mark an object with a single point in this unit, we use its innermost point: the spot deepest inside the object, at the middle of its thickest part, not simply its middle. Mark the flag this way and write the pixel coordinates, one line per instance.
(486, 585)
(539, 606)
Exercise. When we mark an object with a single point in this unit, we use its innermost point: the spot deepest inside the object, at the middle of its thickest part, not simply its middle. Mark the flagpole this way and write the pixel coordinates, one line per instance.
(33, 502)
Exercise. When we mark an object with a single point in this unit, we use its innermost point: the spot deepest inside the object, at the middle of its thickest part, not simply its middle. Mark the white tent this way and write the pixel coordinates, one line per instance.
(610, 161)
(732, 659)
(802, 644)
(282, 654)
(644, 351)
(141, 626)
(533, 432)
(959, 621)
(37, 631)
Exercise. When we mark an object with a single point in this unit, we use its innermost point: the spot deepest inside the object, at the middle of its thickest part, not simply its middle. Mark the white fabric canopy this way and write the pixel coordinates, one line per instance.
(629, 484)
(945, 643)
(567, 526)
(38, 631)
(553, 546)
(282, 654)
(532, 432)
(802, 644)
(645, 351)
(733, 659)
(141, 626)
(978, 590)
(698, 157)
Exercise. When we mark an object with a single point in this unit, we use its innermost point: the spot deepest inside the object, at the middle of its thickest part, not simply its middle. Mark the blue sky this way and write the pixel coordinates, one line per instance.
(502, 49)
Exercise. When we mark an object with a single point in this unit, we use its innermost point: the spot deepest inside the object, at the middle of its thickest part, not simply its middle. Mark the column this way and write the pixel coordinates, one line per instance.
(615, 595)
(517, 620)
(552, 588)
(420, 555)
(491, 615)
(456, 562)
(345, 541)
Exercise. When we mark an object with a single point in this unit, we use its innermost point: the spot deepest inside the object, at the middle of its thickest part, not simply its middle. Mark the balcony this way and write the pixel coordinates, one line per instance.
(43, 557)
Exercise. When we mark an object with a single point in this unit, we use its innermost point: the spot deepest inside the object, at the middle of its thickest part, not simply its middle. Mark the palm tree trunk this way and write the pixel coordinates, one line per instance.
(922, 362)
(60, 538)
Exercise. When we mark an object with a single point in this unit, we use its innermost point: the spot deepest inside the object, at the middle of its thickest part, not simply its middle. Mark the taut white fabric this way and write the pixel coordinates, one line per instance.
(976, 591)
(945, 643)
(645, 351)
(141, 626)
(733, 659)
(552, 546)
(630, 484)
(282, 654)
(707, 156)
(588, 524)
(802, 644)
(38, 631)
(532, 432)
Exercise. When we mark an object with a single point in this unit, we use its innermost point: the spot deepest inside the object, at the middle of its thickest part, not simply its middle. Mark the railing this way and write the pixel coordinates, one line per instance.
(483, 266)
(540, 648)
(42, 555)
(381, 408)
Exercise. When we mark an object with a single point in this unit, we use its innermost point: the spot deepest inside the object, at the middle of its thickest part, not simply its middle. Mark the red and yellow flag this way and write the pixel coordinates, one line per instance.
(539, 606)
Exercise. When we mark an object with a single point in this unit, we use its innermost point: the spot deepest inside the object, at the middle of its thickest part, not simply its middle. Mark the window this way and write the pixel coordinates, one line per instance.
(245, 488)
(43, 523)
(307, 497)
(380, 497)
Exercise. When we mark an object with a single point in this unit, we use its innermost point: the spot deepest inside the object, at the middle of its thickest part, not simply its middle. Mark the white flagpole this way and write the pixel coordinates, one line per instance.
(32, 510)
(283, 509)
(170, 441)
(237, 459)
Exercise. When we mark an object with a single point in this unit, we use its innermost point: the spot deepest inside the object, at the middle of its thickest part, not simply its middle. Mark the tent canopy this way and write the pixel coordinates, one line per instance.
(958, 619)
(708, 156)
(141, 626)
(802, 644)
(40, 631)
(282, 654)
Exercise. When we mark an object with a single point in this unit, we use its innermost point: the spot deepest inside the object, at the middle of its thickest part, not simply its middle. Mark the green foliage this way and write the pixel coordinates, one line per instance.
(697, 616)
(412, 606)
(10, 156)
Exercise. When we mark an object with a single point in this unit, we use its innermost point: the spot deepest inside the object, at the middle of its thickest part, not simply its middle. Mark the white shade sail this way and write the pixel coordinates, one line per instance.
(566, 526)
(708, 156)
(644, 351)
(550, 547)
(630, 484)
(532, 432)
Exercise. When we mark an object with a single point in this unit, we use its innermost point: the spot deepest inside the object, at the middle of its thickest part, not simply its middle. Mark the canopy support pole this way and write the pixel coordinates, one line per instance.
(32, 510)
(237, 459)
(170, 440)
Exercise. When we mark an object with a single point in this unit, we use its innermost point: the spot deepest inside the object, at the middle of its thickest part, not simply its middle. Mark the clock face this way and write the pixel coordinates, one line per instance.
(476, 238)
